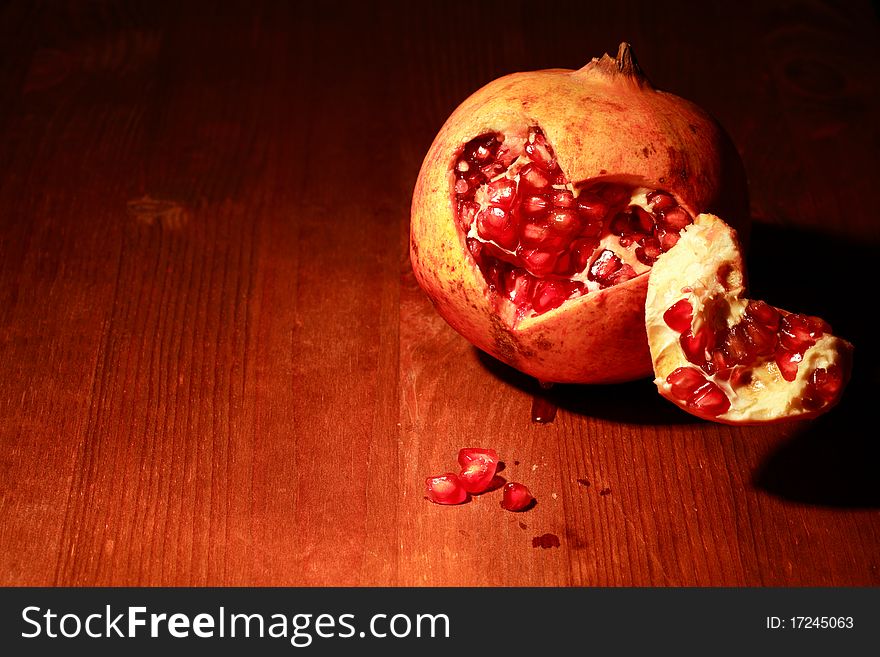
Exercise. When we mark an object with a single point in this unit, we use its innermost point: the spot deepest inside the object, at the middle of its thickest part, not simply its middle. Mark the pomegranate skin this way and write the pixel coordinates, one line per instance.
(605, 122)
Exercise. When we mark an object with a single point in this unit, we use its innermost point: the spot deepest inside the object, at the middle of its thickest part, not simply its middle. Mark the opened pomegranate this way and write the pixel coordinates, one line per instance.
(724, 357)
(544, 202)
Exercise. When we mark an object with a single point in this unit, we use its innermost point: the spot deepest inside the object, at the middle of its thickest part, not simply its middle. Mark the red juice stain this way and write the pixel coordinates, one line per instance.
(545, 541)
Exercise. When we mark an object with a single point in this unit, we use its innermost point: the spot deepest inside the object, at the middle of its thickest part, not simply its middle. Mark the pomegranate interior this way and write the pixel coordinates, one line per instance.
(540, 239)
(727, 355)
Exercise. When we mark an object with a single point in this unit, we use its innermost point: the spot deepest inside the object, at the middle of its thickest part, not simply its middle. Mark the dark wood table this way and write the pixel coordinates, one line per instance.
(217, 368)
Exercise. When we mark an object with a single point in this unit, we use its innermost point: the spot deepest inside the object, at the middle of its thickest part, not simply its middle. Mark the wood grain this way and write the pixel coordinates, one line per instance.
(217, 368)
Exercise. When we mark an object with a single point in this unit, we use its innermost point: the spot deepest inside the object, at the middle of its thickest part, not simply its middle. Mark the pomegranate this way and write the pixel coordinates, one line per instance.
(516, 497)
(723, 357)
(544, 202)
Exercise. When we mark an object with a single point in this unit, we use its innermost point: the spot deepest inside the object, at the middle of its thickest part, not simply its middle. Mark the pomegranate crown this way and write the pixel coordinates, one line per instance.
(624, 64)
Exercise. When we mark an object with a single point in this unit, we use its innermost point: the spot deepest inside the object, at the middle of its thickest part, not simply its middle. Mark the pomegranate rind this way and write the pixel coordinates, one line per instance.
(587, 115)
(706, 268)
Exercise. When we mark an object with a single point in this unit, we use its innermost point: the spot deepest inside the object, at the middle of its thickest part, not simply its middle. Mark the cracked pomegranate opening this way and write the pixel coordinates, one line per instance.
(540, 239)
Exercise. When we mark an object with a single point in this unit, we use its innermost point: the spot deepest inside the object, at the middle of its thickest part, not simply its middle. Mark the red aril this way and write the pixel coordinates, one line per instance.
(724, 357)
(544, 202)
(478, 467)
(516, 497)
(445, 489)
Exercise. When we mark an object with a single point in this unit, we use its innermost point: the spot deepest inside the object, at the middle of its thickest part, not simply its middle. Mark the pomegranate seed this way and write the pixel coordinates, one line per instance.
(484, 151)
(719, 363)
(461, 186)
(604, 267)
(582, 250)
(788, 362)
(668, 238)
(679, 316)
(660, 201)
(467, 212)
(591, 207)
(495, 223)
(621, 224)
(531, 177)
(823, 386)
(818, 327)
(519, 284)
(445, 489)
(516, 497)
(677, 218)
(535, 206)
(538, 262)
(478, 468)
(642, 219)
(760, 335)
(695, 346)
(565, 221)
(738, 346)
(765, 314)
(534, 233)
(649, 251)
(563, 199)
(501, 192)
(740, 376)
(684, 381)
(475, 247)
(551, 294)
(710, 399)
(624, 274)
(540, 152)
(564, 265)
(591, 230)
(795, 333)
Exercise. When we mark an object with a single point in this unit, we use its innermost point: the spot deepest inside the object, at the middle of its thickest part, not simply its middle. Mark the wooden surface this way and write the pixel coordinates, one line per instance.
(216, 367)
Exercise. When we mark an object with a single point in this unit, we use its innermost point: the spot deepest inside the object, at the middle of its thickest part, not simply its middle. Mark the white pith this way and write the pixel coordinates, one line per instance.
(690, 271)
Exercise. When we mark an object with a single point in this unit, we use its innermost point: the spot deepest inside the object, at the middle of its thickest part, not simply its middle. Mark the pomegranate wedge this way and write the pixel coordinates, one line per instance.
(723, 357)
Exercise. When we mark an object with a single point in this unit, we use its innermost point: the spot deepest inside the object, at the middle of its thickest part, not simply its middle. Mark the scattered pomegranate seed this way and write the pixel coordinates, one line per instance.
(516, 497)
(478, 468)
(445, 489)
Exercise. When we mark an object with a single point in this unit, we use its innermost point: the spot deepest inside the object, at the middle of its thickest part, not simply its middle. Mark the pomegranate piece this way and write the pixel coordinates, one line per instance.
(445, 489)
(759, 363)
(516, 497)
(478, 467)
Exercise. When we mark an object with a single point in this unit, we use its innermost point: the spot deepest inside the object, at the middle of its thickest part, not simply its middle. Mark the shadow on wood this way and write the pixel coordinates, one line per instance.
(830, 461)
(636, 402)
